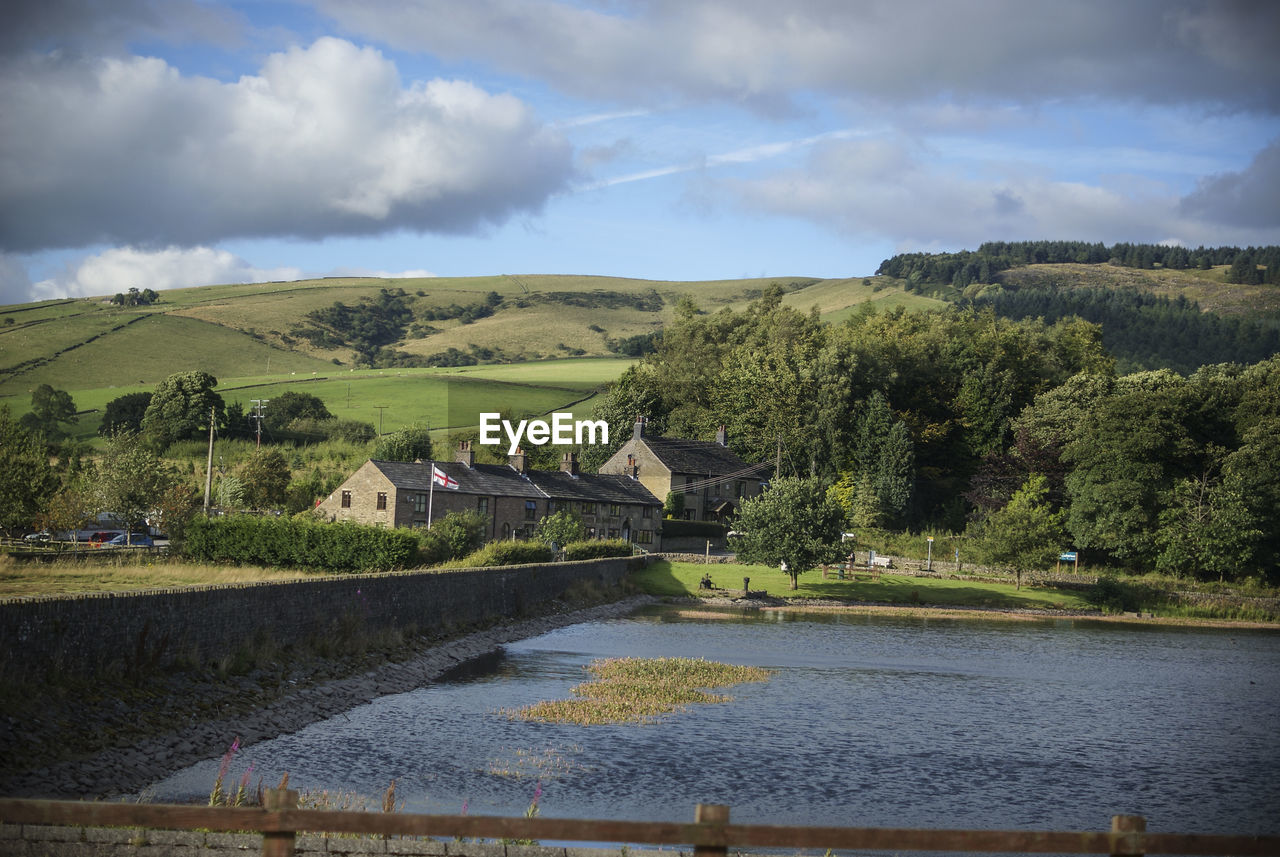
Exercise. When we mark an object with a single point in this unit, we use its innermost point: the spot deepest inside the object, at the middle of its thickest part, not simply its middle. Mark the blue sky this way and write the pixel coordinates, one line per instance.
(167, 143)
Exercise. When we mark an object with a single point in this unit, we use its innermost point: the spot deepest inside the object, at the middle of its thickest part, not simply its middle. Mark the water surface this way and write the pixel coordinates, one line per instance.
(869, 721)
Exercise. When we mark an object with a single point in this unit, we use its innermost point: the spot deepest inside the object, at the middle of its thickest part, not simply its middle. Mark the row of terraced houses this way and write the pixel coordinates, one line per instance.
(624, 500)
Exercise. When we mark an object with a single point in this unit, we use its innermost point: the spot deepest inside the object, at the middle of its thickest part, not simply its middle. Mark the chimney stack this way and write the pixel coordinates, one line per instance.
(722, 436)
(466, 455)
(638, 431)
(633, 469)
(569, 463)
(519, 461)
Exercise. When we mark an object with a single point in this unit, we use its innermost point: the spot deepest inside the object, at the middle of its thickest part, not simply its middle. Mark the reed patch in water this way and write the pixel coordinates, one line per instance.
(639, 690)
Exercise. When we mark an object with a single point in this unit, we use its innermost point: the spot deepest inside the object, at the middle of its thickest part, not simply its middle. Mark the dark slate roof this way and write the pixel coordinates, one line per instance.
(701, 457)
(600, 488)
(486, 479)
(503, 480)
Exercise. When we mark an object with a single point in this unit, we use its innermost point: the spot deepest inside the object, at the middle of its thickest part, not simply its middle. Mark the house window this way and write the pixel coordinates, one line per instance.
(420, 503)
(688, 485)
(614, 510)
(382, 501)
(530, 510)
(644, 537)
(613, 532)
(551, 506)
(482, 505)
(737, 490)
(646, 512)
(588, 508)
(346, 499)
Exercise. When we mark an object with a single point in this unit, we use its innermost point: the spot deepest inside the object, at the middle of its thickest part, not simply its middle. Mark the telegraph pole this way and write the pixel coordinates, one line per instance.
(208, 466)
(258, 406)
(380, 409)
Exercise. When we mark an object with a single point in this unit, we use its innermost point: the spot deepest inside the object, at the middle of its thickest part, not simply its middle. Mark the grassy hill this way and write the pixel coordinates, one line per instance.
(545, 344)
(551, 334)
(1207, 288)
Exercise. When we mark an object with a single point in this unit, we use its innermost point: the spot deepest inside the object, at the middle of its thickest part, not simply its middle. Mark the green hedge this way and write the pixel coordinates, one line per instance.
(673, 528)
(596, 548)
(508, 553)
(291, 543)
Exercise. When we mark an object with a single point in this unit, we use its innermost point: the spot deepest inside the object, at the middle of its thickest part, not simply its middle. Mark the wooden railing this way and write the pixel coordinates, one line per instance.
(279, 821)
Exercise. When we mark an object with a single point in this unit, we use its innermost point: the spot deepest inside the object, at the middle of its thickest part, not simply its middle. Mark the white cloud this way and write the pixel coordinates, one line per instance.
(881, 189)
(122, 268)
(325, 140)
(410, 274)
(759, 52)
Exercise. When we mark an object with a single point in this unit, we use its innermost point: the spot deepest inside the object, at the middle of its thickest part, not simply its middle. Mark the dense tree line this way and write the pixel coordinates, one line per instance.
(984, 265)
(365, 328)
(960, 418)
(133, 297)
(1144, 331)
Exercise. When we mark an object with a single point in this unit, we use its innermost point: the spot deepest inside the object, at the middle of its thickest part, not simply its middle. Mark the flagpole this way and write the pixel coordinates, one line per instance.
(431, 494)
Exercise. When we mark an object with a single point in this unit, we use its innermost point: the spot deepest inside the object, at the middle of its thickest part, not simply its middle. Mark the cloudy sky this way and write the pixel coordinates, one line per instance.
(164, 143)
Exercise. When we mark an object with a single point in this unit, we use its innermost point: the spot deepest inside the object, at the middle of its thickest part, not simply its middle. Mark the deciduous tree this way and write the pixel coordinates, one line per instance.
(410, 443)
(124, 414)
(50, 408)
(131, 480)
(180, 408)
(794, 522)
(1207, 530)
(1026, 534)
(26, 477)
(264, 479)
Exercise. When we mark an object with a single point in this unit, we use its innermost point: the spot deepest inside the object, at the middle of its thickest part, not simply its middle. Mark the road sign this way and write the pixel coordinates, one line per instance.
(1069, 556)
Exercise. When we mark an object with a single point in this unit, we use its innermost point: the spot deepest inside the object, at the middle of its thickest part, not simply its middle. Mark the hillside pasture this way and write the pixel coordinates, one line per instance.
(1208, 288)
(836, 300)
(540, 331)
(151, 349)
(409, 396)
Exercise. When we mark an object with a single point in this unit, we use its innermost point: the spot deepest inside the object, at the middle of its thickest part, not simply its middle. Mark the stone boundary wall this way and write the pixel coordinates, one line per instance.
(29, 840)
(154, 628)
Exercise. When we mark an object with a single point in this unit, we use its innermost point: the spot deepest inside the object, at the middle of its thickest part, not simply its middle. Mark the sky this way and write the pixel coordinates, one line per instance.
(170, 143)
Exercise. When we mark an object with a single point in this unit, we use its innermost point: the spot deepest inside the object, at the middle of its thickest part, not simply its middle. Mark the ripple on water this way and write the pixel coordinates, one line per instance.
(896, 721)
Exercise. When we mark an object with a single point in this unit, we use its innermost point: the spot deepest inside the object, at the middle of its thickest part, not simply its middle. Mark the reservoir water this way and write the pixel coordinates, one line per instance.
(868, 721)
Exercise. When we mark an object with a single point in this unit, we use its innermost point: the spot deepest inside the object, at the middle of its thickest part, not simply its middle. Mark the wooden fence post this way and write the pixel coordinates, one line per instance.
(279, 843)
(712, 814)
(1128, 846)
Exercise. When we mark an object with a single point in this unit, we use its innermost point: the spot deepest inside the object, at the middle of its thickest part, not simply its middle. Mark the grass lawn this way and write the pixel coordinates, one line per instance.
(20, 579)
(681, 578)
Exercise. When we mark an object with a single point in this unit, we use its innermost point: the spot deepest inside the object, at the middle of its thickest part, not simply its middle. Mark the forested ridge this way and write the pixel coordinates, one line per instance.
(1142, 330)
(960, 419)
(984, 264)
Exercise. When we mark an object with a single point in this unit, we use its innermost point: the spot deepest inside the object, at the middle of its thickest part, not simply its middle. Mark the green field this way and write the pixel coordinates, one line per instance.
(551, 335)
(665, 578)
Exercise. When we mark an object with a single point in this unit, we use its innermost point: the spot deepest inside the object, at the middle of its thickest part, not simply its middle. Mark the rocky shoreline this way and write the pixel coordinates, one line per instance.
(269, 704)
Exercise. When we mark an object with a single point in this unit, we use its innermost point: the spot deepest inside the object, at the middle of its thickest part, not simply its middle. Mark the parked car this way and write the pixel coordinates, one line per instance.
(42, 536)
(136, 540)
(100, 538)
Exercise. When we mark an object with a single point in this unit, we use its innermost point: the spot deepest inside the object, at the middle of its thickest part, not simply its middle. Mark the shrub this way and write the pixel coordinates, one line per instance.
(455, 535)
(1113, 595)
(562, 528)
(508, 553)
(294, 543)
(596, 548)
